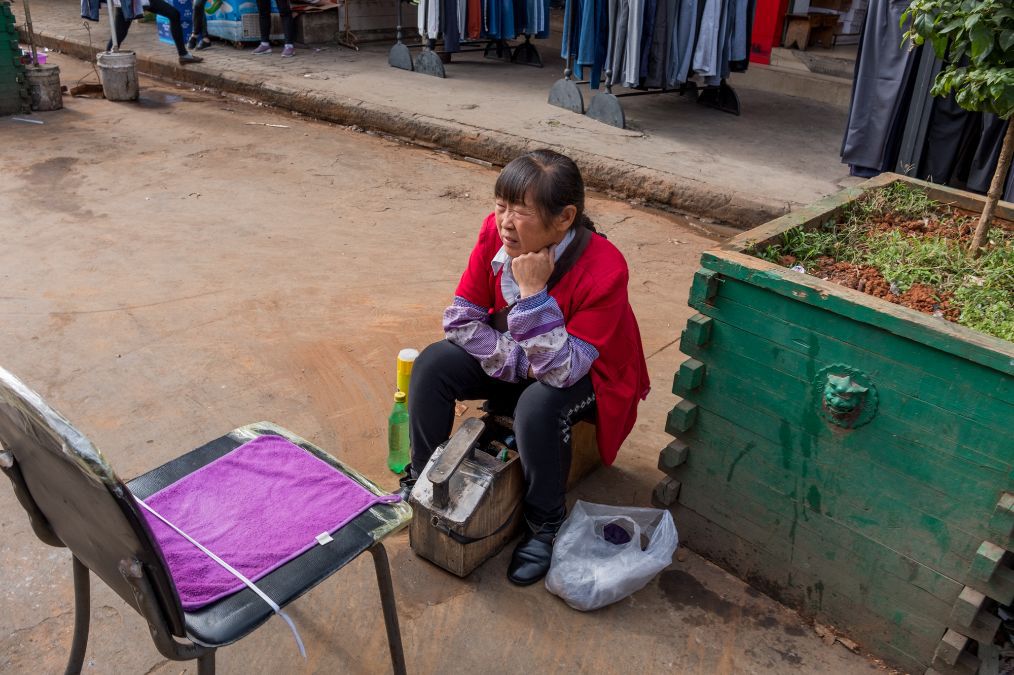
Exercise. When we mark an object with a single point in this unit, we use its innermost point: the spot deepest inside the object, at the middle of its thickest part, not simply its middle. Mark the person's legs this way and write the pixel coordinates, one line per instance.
(122, 25)
(288, 27)
(200, 32)
(542, 421)
(264, 15)
(163, 8)
(442, 374)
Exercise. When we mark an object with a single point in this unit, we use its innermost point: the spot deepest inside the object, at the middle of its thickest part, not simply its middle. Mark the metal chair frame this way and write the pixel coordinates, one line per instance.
(138, 578)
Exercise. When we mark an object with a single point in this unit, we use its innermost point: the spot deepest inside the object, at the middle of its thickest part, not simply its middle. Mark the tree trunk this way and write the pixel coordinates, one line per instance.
(995, 190)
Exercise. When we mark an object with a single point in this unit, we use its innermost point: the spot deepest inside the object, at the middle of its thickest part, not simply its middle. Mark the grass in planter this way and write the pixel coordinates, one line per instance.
(877, 245)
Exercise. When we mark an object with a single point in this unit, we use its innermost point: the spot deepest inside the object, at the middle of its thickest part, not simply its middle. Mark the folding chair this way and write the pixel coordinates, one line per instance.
(74, 499)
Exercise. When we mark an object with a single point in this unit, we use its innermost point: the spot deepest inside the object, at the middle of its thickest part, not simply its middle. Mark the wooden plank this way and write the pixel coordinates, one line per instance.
(945, 336)
(888, 639)
(666, 492)
(776, 519)
(815, 593)
(989, 573)
(803, 437)
(704, 286)
(681, 417)
(868, 573)
(698, 330)
(823, 338)
(1001, 523)
(860, 337)
(885, 519)
(920, 453)
(952, 644)
(967, 606)
(672, 456)
(777, 345)
(690, 376)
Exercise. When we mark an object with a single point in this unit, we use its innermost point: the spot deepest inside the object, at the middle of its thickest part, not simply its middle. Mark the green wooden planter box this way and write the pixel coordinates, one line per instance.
(14, 95)
(891, 521)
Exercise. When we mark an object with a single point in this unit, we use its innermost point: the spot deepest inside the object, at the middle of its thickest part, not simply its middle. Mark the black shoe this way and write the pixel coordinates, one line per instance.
(406, 483)
(189, 58)
(192, 43)
(532, 556)
(205, 43)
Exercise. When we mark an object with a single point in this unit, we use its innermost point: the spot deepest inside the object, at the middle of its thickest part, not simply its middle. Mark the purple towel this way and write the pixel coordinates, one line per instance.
(257, 508)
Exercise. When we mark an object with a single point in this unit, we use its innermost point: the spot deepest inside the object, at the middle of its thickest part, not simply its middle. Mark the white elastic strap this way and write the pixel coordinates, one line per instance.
(229, 568)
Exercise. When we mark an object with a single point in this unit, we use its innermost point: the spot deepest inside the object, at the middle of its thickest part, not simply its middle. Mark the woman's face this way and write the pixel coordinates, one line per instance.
(522, 229)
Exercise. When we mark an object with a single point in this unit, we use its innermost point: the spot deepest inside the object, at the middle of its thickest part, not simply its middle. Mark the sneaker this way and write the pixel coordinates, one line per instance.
(189, 58)
(288, 52)
(205, 43)
(262, 49)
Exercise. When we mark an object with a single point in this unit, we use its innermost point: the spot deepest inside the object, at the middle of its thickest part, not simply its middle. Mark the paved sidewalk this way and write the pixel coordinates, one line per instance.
(782, 151)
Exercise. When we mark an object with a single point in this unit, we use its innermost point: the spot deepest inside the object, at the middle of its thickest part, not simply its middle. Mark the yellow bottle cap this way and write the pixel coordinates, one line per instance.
(400, 396)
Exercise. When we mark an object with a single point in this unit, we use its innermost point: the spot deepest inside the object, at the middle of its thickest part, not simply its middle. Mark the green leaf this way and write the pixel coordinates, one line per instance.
(1006, 40)
(939, 46)
(982, 42)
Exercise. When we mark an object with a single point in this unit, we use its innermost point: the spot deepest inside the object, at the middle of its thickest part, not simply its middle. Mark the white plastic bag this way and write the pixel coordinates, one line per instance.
(589, 572)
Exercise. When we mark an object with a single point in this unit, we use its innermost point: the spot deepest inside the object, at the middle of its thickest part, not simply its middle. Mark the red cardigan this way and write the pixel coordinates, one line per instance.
(593, 298)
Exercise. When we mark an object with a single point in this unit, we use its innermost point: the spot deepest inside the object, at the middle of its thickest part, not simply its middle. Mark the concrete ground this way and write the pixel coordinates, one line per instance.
(782, 151)
(178, 267)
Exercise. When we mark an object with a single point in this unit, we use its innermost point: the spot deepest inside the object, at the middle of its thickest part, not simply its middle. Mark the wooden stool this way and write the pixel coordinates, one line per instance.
(805, 30)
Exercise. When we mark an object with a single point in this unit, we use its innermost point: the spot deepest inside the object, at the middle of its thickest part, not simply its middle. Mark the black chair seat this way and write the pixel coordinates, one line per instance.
(230, 618)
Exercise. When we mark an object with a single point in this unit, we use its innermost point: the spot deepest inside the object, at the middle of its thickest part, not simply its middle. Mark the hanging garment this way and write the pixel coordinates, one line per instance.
(681, 51)
(500, 21)
(724, 46)
(658, 58)
(462, 18)
(705, 61)
(881, 89)
(474, 19)
(588, 42)
(618, 48)
(647, 35)
(428, 14)
(449, 25)
(632, 59)
(740, 30)
(987, 154)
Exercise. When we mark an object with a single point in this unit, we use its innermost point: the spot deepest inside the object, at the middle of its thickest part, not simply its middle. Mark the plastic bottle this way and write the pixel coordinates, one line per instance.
(406, 357)
(398, 456)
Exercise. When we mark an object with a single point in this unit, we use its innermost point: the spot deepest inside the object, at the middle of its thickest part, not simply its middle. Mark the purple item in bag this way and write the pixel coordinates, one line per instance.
(256, 508)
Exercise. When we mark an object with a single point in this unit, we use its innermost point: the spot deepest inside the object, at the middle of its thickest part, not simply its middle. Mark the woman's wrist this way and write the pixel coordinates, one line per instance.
(528, 292)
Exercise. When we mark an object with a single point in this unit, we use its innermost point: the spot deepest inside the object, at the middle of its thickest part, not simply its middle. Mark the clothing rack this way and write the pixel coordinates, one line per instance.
(430, 60)
(605, 105)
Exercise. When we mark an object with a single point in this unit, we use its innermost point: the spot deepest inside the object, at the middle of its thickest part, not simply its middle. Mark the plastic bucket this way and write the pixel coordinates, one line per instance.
(44, 87)
(118, 71)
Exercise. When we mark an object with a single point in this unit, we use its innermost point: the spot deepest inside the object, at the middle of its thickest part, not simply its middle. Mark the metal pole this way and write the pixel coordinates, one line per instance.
(112, 24)
(31, 35)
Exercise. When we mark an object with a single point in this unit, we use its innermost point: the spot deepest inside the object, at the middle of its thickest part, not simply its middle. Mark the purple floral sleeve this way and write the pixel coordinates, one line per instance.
(557, 358)
(467, 326)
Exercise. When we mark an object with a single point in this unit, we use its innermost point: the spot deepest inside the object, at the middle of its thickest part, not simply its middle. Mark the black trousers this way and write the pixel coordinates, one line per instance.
(160, 7)
(200, 20)
(284, 11)
(445, 373)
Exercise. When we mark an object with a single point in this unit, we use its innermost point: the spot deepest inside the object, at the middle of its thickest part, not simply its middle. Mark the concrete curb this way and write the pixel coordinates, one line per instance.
(629, 180)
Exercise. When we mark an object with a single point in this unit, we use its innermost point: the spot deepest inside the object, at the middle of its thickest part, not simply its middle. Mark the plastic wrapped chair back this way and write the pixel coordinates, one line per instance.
(74, 498)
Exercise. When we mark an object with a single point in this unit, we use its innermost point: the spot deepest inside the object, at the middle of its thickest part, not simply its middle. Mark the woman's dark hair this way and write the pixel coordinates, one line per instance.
(550, 180)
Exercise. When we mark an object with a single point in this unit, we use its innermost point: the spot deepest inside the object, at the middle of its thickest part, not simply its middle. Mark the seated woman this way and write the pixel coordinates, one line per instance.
(540, 325)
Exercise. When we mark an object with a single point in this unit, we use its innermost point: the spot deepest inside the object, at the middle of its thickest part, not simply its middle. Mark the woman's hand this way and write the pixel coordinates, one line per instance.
(532, 270)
